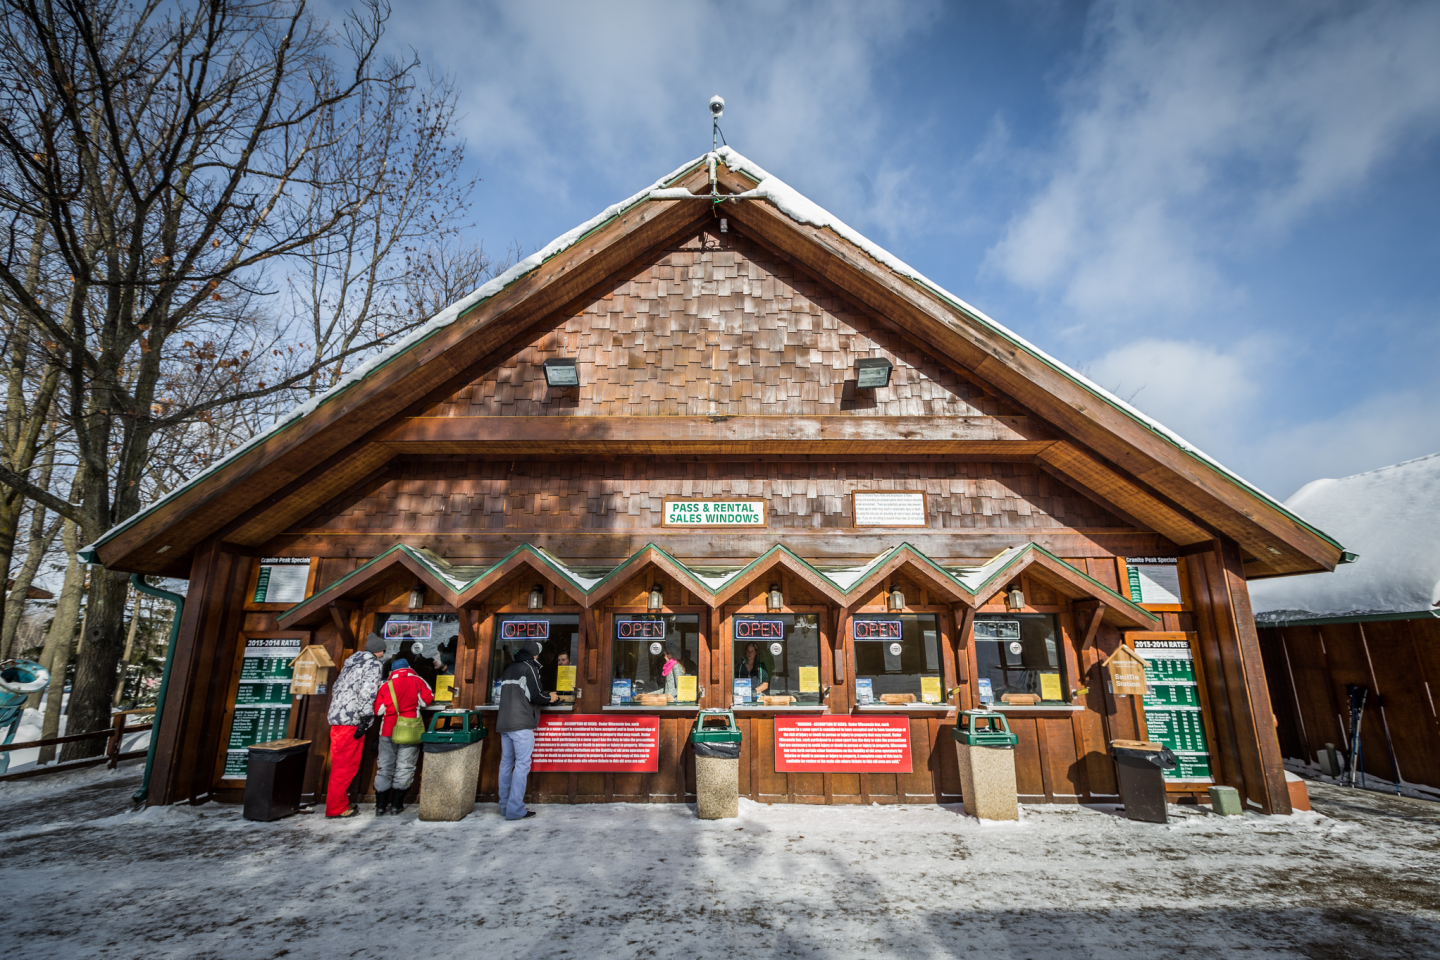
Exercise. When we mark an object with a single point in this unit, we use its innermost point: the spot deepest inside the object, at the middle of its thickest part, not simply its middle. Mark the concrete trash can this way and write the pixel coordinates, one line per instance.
(450, 776)
(986, 749)
(274, 778)
(1140, 766)
(717, 765)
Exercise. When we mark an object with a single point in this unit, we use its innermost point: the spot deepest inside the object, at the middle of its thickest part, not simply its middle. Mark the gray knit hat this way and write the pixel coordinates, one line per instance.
(374, 644)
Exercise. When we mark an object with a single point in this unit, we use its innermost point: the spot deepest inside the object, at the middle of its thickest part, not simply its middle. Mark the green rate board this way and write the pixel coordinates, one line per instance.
(1173, 712)
(262, 700)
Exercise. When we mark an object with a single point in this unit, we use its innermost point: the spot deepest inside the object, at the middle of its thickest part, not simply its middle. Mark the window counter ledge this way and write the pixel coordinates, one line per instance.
(904, 708)
(493, 708)
(800, 708)
(1036, 708)
(640, 708)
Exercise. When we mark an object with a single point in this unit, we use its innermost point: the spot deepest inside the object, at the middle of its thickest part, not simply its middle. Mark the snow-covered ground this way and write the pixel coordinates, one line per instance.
(86, 877)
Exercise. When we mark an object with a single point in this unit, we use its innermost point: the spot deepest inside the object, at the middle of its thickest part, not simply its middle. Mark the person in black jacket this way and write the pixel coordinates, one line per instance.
(521, 697)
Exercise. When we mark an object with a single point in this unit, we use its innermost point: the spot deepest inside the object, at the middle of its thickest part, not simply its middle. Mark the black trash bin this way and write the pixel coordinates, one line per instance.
(1141, 767)
(275, 777)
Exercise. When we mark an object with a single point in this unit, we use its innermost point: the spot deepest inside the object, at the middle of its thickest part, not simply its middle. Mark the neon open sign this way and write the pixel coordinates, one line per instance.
(759, 630)
(876, 629)
(525, 630)
(640, 630)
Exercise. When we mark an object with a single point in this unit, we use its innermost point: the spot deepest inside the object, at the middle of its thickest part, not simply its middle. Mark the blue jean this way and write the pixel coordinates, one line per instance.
(515, 750)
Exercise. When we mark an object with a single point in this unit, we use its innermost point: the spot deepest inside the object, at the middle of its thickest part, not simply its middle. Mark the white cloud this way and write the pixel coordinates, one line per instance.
(1223, 402)
(1194, 389)
(1195, 131)
(550, 86)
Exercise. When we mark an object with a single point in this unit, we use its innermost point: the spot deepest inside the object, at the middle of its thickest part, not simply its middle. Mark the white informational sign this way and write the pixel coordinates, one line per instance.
(890, 510)
(714, 513)
(1154, 579)
(282, 579)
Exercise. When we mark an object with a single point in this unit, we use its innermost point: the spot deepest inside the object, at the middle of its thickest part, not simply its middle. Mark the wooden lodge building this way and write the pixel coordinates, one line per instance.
(717, 418)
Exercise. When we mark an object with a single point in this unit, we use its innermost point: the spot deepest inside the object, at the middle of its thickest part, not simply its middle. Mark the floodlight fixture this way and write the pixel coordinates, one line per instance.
(872, 373)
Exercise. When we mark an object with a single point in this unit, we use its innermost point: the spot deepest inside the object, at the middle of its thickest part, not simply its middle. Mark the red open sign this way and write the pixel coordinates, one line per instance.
(640, 630)
(759, 630)
(525, 630)
(876, 629)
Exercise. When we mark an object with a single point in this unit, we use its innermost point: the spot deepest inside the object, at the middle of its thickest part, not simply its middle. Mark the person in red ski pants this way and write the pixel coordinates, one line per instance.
(352, 710)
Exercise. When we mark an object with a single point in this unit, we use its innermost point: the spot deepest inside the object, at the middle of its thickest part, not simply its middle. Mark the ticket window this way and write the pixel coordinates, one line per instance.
(897, 659)
(559, 638)
(428, 642)
(777, 655)
(1018, 654)
(644, 644)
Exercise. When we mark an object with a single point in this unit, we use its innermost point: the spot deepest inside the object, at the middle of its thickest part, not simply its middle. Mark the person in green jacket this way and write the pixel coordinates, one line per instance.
(754, 668)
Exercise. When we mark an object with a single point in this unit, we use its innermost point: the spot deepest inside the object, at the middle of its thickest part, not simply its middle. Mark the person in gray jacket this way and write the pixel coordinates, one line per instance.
(521, 697)
(352, 710)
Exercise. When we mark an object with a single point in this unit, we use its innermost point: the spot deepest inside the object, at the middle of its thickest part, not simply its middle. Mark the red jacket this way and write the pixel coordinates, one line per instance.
(410, 691)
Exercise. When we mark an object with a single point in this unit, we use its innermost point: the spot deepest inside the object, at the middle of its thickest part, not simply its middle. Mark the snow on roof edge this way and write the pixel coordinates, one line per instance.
(794, 205)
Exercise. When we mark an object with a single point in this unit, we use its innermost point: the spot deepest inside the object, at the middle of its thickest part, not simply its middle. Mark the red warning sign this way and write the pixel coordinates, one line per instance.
(842, 745)
(597, 744)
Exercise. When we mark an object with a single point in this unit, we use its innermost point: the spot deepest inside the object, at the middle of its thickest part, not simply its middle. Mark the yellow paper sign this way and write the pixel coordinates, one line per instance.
(445, 687)
(1050, 687)
(809, 679)
(930, 689)
(685, 690)
(565, 678)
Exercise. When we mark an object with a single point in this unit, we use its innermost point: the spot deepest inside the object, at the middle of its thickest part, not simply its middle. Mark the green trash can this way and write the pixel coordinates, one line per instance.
(717, 765)
(450, 776)
(986, 751)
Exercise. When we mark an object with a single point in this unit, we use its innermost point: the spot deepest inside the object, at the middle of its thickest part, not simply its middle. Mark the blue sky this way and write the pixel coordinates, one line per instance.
(1225, 212)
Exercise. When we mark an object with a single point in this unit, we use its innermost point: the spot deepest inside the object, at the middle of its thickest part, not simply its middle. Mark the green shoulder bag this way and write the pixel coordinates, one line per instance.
(408, 730)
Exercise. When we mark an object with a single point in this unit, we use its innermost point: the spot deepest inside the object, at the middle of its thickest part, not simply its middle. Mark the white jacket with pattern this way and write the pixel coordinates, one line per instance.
(352, 697)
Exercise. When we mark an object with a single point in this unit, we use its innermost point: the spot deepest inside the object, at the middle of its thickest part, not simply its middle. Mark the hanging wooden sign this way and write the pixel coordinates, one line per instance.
(1126, 670)
(310, 671)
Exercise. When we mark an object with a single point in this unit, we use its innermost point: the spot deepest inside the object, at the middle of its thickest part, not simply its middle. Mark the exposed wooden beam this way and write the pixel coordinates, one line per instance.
(840, 544)
(650, 435)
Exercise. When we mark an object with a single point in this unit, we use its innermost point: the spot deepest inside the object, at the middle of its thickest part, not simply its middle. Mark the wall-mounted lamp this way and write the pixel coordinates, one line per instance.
(897, 598)
(417, 598)
(1015, 599)
(657, 599)
(561, 372)
(537, 597)
(872, 373)
(774, 600)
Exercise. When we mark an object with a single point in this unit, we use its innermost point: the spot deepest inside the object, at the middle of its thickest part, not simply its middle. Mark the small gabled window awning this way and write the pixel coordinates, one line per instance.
(461, 586)
(457, 585)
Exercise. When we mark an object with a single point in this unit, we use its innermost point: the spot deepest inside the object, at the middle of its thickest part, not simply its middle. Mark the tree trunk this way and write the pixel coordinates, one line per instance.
(59, 640)
(15, 604)
(99, 654)
(129, 649)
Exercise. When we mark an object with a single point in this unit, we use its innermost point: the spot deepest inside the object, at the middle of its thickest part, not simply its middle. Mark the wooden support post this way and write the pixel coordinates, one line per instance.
(340, 614)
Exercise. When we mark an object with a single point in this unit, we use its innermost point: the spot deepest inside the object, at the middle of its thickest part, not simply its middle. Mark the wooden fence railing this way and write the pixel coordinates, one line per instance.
(116, 732)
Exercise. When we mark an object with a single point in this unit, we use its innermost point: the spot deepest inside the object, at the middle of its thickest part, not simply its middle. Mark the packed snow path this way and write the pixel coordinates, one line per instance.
(1358, 878)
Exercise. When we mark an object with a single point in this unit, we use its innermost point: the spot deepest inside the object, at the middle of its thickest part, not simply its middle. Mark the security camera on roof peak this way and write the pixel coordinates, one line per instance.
(717, 106)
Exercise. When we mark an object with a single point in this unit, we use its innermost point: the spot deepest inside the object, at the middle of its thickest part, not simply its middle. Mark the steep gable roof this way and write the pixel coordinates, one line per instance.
(1110, 447)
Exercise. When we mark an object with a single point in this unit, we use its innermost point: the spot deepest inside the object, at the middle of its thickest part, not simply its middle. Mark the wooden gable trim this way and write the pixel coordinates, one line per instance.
(1253, 521)
(384, 568)
(522, 558)
(1069, 583)
(918, 565)
(780, 557)
(649, 556)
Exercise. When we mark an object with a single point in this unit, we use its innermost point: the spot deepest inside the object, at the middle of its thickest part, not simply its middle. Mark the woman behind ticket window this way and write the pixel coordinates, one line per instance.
(673, 670)
(753, 668)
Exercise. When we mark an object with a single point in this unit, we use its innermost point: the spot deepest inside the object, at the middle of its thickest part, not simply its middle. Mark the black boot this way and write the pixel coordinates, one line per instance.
(397, 799)
(382, 802)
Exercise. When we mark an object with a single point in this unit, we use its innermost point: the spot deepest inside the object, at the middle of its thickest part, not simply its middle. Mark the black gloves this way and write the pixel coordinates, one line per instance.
(363, 727)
